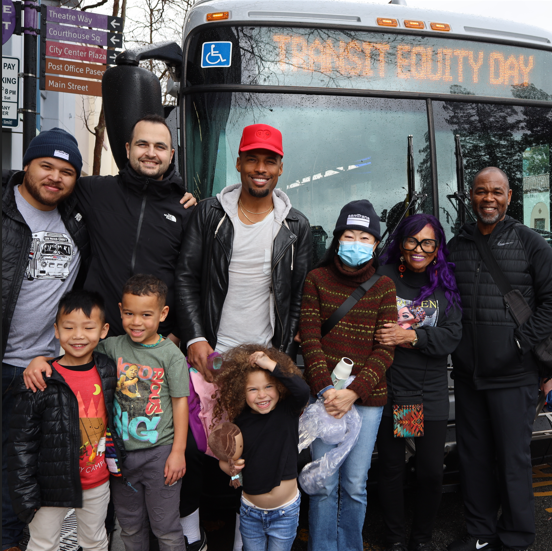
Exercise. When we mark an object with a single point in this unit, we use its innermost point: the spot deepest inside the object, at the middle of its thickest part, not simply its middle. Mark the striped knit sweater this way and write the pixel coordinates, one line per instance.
(325, 290)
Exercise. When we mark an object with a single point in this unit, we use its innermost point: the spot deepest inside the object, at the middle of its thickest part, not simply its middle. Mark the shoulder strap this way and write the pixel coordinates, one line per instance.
(341, 312)
(514, 299)
(490, 261)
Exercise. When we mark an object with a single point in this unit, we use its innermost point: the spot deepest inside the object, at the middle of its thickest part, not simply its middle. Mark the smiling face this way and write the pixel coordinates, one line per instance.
(78, 335)
(261, 393)
(417, 259)
(259, 169)
(47, 181)
(149, 151)
(141, 317)
(490, 197)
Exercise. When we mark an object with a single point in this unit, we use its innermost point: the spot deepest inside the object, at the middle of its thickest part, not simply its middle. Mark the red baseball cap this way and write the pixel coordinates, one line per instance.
(261, 136)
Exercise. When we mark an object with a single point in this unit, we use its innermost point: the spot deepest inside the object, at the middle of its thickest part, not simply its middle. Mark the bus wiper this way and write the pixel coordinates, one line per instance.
(460, 194)
(412, 198)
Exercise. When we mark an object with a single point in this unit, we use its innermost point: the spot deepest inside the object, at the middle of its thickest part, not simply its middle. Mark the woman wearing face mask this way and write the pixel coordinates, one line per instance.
(416, 260)
(336, 523)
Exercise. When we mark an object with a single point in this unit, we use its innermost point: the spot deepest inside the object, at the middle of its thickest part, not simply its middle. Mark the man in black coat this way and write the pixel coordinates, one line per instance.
(43, 242)
(495, 373)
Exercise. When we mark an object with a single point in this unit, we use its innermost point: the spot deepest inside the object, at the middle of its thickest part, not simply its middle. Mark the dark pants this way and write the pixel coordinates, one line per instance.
(12, 527)
(148, 499)
(429, 480)
(192, 482)
(493, 430)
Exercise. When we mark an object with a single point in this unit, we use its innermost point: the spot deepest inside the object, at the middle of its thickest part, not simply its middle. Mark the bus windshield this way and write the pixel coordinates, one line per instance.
(341, 146)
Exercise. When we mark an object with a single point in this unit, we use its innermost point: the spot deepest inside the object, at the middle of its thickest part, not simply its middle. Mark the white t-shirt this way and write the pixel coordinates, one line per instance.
(52, 267)
(248, 311)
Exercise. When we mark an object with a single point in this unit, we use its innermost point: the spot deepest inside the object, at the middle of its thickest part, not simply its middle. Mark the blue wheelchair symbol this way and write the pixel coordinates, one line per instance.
(216, 54)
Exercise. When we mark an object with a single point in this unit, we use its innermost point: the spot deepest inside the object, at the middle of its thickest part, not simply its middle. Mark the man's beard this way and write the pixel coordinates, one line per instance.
(259, 193)
(34, 191)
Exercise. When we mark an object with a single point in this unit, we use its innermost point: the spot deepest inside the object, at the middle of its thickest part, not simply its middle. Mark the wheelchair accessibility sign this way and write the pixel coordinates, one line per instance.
(216, 54)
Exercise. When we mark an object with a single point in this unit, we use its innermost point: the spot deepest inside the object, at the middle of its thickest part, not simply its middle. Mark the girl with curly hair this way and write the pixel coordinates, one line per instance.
(263, 393)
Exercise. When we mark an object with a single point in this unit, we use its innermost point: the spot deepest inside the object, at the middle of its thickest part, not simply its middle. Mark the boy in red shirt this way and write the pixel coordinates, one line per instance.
(57, 456)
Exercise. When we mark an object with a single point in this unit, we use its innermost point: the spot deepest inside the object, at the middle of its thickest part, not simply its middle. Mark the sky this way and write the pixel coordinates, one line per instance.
(530, 12)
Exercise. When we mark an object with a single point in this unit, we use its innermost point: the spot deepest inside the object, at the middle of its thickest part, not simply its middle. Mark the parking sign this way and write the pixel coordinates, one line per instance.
(10, 91)
(216, 54)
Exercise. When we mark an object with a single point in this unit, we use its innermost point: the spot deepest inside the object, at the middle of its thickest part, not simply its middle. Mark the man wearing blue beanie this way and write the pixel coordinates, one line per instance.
(43, 239)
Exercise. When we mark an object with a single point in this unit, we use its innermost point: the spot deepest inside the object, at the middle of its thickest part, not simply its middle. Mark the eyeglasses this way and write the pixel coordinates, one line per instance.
(427, 245)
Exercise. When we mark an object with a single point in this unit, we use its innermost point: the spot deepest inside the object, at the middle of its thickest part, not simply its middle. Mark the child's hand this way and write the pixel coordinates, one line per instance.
(175, 468)
(262, 360)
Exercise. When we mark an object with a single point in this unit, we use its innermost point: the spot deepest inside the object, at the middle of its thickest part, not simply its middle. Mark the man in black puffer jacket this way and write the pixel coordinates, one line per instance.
(495, 373)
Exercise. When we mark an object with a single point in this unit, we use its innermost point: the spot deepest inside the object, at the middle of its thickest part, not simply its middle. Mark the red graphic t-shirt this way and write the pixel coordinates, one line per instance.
(85, 382)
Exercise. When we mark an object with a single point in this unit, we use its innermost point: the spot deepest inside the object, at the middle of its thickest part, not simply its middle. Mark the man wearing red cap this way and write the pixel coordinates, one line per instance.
(240, 277)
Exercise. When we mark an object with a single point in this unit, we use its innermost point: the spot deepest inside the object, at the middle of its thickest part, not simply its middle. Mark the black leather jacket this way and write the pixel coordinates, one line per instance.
(202, 274)
(494, 352)
(44, 442)
(16, 244)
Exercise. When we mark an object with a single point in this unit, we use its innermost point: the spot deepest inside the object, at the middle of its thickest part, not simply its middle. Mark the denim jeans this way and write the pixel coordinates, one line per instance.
(273, 530)
(336, 517)
(12, 527)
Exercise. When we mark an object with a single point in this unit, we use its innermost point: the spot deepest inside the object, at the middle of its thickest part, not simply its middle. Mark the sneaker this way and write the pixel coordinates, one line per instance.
(473, 543)
(200, 544)
(514, 549)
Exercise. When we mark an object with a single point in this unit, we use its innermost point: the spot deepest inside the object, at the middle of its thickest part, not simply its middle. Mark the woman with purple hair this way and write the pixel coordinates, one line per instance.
(428, 329)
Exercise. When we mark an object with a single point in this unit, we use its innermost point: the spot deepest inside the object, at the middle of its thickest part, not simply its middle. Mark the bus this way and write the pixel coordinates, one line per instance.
(399, 105)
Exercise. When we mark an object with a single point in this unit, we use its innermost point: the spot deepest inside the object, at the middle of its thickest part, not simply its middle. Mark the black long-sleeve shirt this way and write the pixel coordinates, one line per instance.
(424, 366)
(270, 440)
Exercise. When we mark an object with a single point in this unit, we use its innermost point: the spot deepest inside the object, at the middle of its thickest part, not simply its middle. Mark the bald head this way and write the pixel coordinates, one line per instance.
(491, 170)
(490, 196)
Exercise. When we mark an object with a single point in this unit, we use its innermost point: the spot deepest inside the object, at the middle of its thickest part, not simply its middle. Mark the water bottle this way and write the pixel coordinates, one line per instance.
(342, 372)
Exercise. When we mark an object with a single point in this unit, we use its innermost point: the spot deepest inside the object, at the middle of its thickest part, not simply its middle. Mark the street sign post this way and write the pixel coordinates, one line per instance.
(64, 27)
(10, 91)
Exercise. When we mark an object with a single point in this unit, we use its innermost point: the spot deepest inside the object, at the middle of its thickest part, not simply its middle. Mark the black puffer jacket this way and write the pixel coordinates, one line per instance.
(44, 443)
(16, 244)
(202, 274)
(488, 353)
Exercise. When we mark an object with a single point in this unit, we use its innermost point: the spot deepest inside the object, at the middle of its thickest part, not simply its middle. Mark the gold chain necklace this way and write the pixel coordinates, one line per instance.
(251, 212)
(243, 212)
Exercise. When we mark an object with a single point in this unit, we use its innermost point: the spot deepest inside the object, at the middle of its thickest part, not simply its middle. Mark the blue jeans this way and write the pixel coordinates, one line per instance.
(12, 527)
(273, 530)
(336, 518)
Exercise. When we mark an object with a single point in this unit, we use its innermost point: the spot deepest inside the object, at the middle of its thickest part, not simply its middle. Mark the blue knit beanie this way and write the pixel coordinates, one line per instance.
(55, 143)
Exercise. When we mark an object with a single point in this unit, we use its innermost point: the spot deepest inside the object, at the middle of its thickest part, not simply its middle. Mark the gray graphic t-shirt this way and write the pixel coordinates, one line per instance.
(52, 267)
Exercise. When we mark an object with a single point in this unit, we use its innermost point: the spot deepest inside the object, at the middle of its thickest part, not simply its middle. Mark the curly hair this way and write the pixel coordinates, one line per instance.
(231, 380)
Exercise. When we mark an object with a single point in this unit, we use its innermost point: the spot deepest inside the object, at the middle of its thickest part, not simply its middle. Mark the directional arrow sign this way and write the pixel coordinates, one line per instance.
(84, 19)
(75, 69)
(80, 53)
(86, 36)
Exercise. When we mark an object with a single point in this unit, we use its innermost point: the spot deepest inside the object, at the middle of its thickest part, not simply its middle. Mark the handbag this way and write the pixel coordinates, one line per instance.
(408, 414)
(515, 303)
(340, 313)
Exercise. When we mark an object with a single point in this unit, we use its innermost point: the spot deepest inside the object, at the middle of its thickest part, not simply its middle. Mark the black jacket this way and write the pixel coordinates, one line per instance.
(16, 245)
(44, 442)
(202, 274)
(136, 226)
(488, 354)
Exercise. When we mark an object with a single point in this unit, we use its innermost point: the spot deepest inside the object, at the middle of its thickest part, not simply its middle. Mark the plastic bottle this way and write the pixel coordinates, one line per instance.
(341, 372)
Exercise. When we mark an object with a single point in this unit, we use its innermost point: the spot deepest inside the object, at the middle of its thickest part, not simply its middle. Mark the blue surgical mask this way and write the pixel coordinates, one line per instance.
(355, 253)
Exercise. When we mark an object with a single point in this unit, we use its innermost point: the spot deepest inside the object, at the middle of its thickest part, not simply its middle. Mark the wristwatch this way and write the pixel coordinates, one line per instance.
(415, 341)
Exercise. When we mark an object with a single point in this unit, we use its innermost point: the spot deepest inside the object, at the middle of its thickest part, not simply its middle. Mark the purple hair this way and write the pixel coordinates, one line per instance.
(440, 274)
